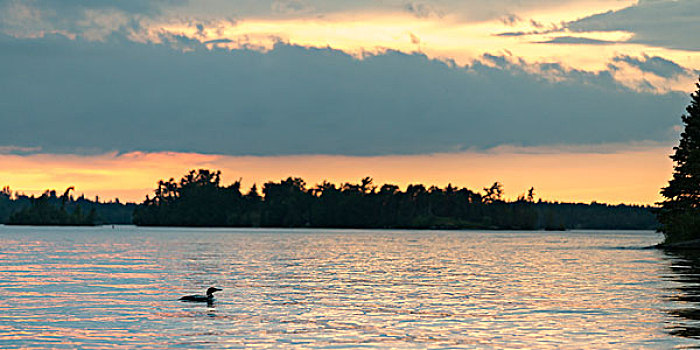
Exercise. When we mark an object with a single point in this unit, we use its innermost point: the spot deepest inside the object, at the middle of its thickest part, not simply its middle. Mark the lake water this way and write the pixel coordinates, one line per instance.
(322, 289)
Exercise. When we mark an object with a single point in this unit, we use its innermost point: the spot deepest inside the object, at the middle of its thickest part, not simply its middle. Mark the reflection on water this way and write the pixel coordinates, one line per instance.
(99, 288)
(685, 271)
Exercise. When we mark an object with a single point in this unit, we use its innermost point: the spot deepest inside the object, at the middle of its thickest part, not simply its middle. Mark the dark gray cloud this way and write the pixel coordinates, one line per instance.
(520, 33)
(219, 41)
(422, 10)
(511, 19)
(291, 7)
(657, 65)
(76, 96)
(68, 8)
(92, 19)
(672, 24)
(575, 40)
(539, 31)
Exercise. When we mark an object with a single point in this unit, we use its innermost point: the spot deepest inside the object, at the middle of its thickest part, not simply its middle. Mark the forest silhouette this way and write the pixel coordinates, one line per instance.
(64, 210)
(199, 199)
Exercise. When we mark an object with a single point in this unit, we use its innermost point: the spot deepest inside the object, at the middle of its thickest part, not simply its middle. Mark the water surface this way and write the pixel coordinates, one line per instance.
(118, 288)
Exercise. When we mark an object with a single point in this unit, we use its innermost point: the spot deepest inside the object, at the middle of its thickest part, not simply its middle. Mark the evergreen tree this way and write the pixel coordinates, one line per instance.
(679, 214)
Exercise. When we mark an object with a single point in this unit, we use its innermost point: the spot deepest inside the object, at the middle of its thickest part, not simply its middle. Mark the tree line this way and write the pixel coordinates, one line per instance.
(199, 199)
(52, 209)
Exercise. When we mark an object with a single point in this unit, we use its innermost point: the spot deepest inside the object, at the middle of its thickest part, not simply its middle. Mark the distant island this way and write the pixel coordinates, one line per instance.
(50, 209)
(200, 200)
(43, 212)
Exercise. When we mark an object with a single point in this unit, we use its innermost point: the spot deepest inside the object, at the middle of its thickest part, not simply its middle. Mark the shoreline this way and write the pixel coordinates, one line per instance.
(693, 244)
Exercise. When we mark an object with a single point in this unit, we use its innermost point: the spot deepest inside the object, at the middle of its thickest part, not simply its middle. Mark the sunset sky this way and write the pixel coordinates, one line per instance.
(579, 98)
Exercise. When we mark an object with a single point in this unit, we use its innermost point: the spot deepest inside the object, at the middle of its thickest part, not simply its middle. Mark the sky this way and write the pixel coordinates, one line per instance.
(580, 99)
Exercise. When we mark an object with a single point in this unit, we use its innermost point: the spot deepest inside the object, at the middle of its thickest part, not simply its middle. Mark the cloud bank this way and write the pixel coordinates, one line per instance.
(98, 18)
(76, 96)
(656, 65)
(672, 24)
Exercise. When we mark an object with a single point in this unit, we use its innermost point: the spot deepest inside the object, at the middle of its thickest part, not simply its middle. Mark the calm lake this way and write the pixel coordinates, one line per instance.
(118, 287)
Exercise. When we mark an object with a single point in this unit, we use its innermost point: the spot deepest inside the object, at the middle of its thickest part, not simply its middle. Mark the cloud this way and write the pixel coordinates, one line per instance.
(77, 96)
(575, 40)
(520, 33)
(511, 19)
(18, 150)
(92, 20)
(671, 24)
(293, 7)
(657, 65)
(466, 10)
(141, 20)
(422, 10)
(539, 31)
(65, 8)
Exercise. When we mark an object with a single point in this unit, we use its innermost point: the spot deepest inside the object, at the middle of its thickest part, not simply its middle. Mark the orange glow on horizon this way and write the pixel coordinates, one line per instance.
(633, 176)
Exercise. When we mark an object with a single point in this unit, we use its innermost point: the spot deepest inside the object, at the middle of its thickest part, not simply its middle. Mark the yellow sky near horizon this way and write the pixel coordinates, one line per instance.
(449, 37)
(634, 176)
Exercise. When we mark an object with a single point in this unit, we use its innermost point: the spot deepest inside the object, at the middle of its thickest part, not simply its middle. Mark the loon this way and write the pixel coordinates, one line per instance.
(201, 298)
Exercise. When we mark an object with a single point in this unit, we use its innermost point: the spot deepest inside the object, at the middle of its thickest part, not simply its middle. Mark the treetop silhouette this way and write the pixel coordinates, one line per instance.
(679, 213)
(199, 199)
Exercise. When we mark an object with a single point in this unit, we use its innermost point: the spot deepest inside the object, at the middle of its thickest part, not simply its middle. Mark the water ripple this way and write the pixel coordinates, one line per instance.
(316, 289)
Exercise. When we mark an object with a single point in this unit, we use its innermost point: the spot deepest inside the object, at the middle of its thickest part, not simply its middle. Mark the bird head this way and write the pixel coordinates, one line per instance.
(211, 290)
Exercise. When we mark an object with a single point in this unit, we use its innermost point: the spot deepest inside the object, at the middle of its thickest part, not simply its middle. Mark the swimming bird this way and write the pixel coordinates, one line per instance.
(201, 298)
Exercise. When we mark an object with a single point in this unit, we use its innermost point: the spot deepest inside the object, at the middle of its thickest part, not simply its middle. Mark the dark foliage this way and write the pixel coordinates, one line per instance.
(42, 212)
(51, 209)
(679, 214)
(200, 200)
